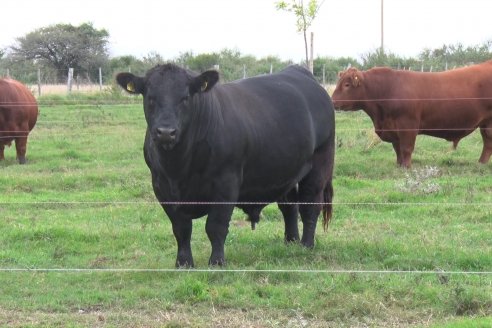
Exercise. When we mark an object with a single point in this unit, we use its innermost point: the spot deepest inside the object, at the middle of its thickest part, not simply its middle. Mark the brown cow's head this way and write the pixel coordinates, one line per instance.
(169, 93)
(349, 90)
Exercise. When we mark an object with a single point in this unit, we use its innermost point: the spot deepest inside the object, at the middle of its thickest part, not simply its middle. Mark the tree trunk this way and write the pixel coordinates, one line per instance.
(306, 48)
(311, 57)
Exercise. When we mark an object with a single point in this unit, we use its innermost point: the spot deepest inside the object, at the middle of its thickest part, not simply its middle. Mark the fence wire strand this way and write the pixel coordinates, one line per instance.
(212, 270)
(199, 203)
(37, 133)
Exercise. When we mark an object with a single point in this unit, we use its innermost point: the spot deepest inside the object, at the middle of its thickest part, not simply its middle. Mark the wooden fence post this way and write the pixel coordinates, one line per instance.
(100, 79)
(69, 80)
(39, 82)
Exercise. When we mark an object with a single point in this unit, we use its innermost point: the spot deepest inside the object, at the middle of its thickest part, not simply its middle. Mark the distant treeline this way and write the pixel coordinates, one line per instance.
(234, 65)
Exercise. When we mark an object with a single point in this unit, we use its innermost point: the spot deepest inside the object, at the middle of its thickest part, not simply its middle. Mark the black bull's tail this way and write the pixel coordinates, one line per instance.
(327, 207)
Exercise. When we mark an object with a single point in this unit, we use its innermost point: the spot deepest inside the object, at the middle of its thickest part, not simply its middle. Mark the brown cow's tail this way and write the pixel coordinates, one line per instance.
(327, 207)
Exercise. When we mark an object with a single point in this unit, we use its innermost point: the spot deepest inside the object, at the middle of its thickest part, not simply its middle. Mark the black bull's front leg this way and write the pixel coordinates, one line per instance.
(182, 229)
(217, 228)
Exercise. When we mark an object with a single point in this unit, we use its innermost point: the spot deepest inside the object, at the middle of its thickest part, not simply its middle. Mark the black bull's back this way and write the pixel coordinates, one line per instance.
(284, 118)
(246, 144)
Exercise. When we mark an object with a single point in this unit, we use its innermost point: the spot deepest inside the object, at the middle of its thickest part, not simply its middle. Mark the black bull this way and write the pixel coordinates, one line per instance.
(212, 147)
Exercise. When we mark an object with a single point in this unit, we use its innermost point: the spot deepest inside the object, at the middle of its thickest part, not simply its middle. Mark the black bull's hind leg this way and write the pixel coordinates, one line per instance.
(311, 192)
(290, 210)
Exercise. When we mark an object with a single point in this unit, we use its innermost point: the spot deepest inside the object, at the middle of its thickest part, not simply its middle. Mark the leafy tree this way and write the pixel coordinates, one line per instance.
(331, 67)
(125, 64)
(62, 46)
(22, 71)
(456, 55)
(152, 59)
(199, 63)
(384, 58)
(232, 64)
(304, 14)
(264, 65)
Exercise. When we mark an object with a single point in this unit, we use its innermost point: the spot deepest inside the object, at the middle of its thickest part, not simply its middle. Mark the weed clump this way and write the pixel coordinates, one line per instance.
(419, 181)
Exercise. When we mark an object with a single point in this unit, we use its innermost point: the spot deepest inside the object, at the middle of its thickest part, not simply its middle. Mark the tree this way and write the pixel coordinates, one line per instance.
(380, 57)
(304, 15)
(153, 59)
(329, 68)
(62, 46)
(456, 55)
(198, 63)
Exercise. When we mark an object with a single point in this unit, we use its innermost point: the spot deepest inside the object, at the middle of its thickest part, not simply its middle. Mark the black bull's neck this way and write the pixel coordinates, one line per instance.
(186, 163)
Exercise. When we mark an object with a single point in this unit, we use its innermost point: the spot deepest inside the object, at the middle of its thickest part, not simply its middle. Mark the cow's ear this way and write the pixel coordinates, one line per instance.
(131, 83)
(356, 78)
(204, 82)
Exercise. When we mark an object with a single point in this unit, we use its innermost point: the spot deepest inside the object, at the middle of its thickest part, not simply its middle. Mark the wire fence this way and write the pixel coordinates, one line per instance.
(272, 271)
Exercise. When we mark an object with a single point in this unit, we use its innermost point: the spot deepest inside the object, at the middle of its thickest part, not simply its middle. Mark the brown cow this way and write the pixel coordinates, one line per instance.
(18, 115)
(403, 104)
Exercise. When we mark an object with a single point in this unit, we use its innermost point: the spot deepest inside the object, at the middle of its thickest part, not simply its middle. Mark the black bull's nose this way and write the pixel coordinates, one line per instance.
(165, 135)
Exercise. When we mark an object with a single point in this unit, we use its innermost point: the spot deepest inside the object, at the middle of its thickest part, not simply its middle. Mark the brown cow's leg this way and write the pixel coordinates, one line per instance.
(21, 147)
(2, 149)
(486, 132)
(396, 147)
(407, 144)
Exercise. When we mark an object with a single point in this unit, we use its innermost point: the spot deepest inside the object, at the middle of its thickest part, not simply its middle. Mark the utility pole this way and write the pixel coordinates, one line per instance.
(382, 26)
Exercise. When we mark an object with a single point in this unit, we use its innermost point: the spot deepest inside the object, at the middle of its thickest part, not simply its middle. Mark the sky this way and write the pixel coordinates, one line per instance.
(254, 27)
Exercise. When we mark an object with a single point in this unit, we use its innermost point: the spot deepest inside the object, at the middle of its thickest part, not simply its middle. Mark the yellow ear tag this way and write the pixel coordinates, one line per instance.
(130, 87)
(204, 86)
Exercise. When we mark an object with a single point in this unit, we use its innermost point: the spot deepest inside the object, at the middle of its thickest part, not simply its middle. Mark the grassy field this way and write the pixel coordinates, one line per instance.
(405, 247)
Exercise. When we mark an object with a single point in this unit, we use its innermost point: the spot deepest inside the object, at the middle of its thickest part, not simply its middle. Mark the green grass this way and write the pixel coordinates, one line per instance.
(85, 201)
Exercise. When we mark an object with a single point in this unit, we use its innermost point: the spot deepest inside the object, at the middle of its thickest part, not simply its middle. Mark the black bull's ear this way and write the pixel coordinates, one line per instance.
(204, 82)
(131, 83)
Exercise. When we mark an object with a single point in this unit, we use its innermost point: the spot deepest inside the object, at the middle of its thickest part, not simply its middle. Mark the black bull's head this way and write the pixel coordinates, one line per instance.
(167, 91)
